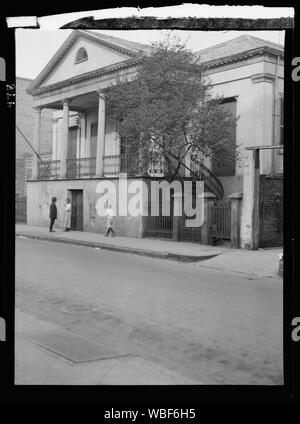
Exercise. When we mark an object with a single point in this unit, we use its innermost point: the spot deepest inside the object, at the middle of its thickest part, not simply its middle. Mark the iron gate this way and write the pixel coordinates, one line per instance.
(159, 226)
(220, 220)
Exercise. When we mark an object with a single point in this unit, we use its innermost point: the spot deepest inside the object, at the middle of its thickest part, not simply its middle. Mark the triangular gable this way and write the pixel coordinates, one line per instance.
(101, 54)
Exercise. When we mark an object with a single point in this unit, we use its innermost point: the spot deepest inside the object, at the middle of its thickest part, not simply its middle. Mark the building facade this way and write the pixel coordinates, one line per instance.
(25, 122)
(86, 148)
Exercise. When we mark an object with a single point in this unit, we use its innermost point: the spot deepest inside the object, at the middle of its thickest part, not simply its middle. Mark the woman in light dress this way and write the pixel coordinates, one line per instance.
(67, 215)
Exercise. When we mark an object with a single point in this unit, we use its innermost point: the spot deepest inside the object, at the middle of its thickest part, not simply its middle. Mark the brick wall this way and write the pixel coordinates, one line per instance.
(25, 121)
(20, 177)
(270, 211)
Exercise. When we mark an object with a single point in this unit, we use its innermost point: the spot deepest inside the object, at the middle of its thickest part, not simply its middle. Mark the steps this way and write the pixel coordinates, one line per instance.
(201, 172)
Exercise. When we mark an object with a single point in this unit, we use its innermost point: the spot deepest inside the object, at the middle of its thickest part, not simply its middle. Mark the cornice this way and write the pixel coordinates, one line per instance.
(240, 56)
(262, 77)
(86, 76)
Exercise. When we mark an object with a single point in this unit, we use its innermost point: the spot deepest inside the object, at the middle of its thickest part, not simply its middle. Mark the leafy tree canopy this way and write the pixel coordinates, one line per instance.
(168, 110)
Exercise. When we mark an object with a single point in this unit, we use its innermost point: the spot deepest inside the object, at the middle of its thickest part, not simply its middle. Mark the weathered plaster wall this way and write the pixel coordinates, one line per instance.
(232, 184)
(39, 194)
(255, 103)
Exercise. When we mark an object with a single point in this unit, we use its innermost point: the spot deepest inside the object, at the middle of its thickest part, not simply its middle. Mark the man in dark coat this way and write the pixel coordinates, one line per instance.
(52, 214)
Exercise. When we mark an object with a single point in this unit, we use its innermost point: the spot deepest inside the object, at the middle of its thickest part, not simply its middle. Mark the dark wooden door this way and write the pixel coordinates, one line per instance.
(77, 210)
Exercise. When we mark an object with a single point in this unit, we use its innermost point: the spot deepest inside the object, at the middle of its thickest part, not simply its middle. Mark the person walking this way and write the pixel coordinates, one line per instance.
(52, 214)
(67, 216)
(109, 221)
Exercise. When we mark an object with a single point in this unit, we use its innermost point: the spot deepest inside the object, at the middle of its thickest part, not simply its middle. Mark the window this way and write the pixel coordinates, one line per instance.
(221, 167)
(81, 55)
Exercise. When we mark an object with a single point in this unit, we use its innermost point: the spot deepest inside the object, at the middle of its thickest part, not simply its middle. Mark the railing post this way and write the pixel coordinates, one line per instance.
(235, 199)
(206, 237)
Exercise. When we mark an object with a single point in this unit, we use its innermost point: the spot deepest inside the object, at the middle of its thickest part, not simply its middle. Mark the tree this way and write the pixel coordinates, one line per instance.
(168, 110)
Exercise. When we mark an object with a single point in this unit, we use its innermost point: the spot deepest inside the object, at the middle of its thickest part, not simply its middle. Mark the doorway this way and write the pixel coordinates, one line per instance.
(77, 210)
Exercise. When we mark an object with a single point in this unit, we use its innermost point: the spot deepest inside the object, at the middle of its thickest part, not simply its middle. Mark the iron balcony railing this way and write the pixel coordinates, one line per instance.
(126, 163)
(48, 169)
(113, 165)
(158, 165)
(83, 167)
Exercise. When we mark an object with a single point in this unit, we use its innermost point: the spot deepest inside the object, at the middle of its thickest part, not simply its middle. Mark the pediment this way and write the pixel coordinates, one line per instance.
(101, 53)
(97, 57)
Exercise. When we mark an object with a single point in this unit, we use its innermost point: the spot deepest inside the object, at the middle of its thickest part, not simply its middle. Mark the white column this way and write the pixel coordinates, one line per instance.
(100, 136)
(54, 139)
(36, 142)
(65, 136)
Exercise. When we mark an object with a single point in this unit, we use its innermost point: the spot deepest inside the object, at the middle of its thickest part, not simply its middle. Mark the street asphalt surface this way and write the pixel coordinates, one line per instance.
(212, 326)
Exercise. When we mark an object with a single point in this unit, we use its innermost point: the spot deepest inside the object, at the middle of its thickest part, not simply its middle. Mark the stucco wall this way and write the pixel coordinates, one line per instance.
(233, 184)
(255, 104)
(39, 194)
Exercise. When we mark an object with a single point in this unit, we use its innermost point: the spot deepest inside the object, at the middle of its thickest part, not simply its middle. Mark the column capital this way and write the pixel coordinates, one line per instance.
(101, 93)
(65, 101)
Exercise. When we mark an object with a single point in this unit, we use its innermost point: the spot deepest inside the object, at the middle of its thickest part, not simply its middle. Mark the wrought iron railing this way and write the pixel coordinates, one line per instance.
(126, 163)
(48, 169)
(157, 166)
(112, 165)
(83, 167)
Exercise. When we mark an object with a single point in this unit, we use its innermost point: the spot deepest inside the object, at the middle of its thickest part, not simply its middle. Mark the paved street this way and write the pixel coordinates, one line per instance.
(195, 324)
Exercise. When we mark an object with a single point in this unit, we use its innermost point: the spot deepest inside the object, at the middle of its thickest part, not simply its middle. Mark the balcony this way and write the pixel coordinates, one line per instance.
(48, 169)
(115, 164)
(86, 167)
(80, 168)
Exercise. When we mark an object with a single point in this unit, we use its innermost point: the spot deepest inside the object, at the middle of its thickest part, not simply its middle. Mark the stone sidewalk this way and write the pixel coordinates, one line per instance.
(165, 249)
(263, 262)
(260, 263)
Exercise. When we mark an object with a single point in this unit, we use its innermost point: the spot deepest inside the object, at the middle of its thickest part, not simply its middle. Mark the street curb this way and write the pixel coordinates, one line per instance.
(141, 252)
(249, 274)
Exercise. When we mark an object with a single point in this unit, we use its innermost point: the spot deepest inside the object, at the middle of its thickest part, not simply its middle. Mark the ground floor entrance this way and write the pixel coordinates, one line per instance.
(77, 210)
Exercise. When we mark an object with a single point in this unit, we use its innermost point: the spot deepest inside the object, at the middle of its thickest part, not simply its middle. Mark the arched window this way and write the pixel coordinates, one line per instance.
(81, 55)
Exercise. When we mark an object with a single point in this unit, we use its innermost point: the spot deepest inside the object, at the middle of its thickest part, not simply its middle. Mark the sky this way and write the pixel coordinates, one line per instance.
(35, 47)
